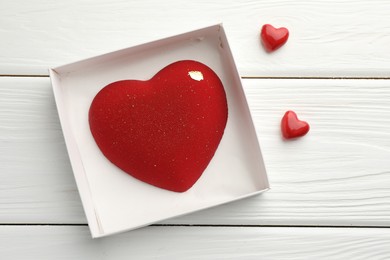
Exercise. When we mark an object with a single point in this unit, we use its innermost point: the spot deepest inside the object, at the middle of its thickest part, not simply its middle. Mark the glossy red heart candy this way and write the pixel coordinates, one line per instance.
(273, 38)
(293, 127)
(163, 131)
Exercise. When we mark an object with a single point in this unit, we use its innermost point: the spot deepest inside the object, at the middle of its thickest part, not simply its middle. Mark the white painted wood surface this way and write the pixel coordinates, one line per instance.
(327, 38)
(42, 242)
(337, 175)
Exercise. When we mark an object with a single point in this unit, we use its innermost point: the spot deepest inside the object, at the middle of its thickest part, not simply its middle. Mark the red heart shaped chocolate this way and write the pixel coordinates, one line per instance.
(163, 131)
(293, 127)
(273, 38)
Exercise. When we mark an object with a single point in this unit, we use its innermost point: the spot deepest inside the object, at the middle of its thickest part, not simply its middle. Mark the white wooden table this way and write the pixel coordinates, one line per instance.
(330, 191)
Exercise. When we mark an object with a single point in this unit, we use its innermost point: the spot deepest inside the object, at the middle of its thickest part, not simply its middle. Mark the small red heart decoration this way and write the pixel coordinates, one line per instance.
(293, 127)
(273, 38)
(163, 131)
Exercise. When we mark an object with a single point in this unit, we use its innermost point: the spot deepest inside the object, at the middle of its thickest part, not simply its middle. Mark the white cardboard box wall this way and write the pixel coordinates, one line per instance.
(114, 201)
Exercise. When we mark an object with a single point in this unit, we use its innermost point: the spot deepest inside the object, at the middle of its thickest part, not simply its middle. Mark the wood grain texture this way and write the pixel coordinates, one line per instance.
(37, 185)
(48, 242)
(339, 174)
(327, 38)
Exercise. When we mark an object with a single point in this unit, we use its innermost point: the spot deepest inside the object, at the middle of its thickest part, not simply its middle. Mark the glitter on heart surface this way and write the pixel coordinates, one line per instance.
(163, 131)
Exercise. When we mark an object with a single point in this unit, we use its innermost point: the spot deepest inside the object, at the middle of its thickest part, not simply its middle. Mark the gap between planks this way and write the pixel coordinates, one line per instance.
(242, 77)
(208, 225)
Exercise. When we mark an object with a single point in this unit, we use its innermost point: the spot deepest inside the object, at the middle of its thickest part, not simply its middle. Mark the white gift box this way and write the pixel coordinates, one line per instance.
(115, 201)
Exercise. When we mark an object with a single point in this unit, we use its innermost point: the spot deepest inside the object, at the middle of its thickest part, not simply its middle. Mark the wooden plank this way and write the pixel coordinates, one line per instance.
(327, 38)
(59, 242)
(37, 183)
(339, 174)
